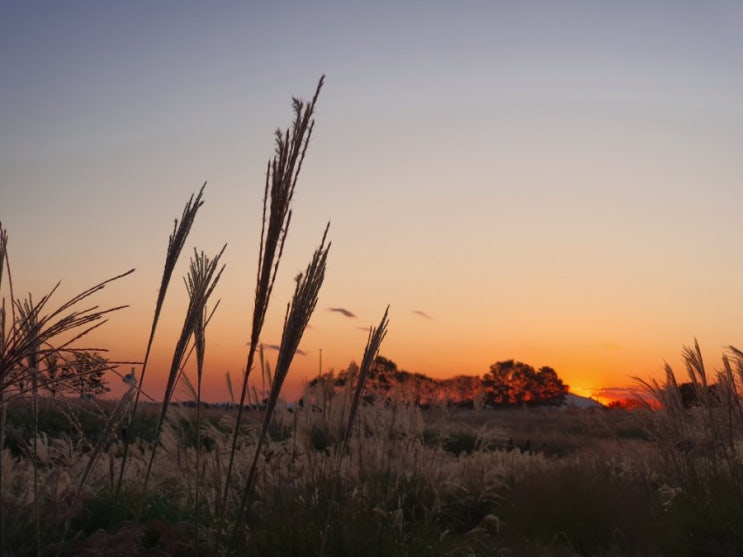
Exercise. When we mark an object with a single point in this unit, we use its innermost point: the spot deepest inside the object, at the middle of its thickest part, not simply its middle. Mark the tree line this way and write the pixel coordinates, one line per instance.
(507, 383)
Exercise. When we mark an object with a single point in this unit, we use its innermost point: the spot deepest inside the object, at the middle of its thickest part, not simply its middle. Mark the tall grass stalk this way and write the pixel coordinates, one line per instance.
(700, 437)
(197, 282)
(176, 241)
(64, 322)
(33, 336)
(282, 173)
(30, 324)
(373, 344)
(204, 276)
(3, 408)
(298, 315)
(733, 381)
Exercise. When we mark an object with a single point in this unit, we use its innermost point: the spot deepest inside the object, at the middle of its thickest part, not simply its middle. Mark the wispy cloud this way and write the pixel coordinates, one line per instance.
(343, 311)
(619, 393)
(276, 347)
(613, 392)
(423, 314)
(613, 346)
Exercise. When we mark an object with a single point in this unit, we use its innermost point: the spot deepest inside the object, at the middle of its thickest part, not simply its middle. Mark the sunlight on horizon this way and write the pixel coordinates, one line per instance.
(558, 187)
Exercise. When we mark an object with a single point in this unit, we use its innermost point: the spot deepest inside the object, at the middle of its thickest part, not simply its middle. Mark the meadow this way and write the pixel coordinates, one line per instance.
(441, 481)
(345, 472)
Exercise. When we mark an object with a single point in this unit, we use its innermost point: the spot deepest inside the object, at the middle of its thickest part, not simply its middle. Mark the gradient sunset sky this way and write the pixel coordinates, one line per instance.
(558, 183)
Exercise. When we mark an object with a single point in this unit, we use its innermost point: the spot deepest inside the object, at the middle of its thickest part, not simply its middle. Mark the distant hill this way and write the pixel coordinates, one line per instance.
(576, 401)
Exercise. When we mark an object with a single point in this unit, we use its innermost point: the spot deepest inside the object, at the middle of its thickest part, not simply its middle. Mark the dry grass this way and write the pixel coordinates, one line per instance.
(282, 174)
(176, 241)
(404, 483)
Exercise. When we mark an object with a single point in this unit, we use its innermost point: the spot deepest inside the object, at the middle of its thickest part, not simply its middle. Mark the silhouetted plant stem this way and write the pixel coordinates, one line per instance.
(373, 343)
(176, 241)
(25, 343)
(198, 276)
(298, 315)
(30, 323)
(281, 178)
(202, 280)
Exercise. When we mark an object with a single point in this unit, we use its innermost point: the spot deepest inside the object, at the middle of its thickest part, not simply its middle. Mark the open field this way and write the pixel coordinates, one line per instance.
(411, 482)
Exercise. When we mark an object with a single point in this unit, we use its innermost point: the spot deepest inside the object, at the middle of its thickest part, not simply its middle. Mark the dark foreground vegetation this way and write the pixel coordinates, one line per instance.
(439, 481)
(365, 466)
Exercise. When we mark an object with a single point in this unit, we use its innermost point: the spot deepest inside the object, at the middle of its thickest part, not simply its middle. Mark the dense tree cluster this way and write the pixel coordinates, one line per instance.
(508, 383)
(515, 383)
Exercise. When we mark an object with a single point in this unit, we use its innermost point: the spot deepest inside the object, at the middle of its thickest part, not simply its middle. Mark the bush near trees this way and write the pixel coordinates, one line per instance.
(693, 395)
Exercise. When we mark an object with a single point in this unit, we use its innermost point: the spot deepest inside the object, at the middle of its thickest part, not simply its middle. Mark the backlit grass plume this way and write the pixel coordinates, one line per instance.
(29, 319)
(175, 245)
(3, 406)
(33, 335)
(196, 282)
(176, 241)
(376, 336)
(281, 178)
(298, 315)
(203, 276)
(374, 342)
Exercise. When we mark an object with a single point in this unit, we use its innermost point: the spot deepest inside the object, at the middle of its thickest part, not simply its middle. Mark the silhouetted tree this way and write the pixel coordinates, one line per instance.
(384, 365)
(549, 387)
(462, 390)
(515, 383)
(507, 383)
(83, 374)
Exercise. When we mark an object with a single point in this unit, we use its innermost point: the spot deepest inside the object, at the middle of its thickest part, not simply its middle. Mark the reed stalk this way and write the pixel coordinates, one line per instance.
(30, 324)
(297, 317)
(208, 273)
(282, 173)
(63, 322)
(197, 282)
(373, 344)
(33, 336)
(176, 241)
(3, 406)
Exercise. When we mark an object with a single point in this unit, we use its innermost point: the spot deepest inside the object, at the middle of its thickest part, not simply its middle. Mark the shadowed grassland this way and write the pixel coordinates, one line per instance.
(412, 482)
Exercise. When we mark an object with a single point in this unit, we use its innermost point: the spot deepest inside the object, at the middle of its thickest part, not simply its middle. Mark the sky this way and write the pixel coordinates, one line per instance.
(556, 183)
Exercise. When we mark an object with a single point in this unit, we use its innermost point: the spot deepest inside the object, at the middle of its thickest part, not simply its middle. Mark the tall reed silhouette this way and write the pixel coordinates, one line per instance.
(175, 245)
(282, 174)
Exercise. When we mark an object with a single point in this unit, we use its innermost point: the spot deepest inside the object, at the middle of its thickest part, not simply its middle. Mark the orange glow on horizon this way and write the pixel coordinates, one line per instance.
(221, 359)
(590, 365)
